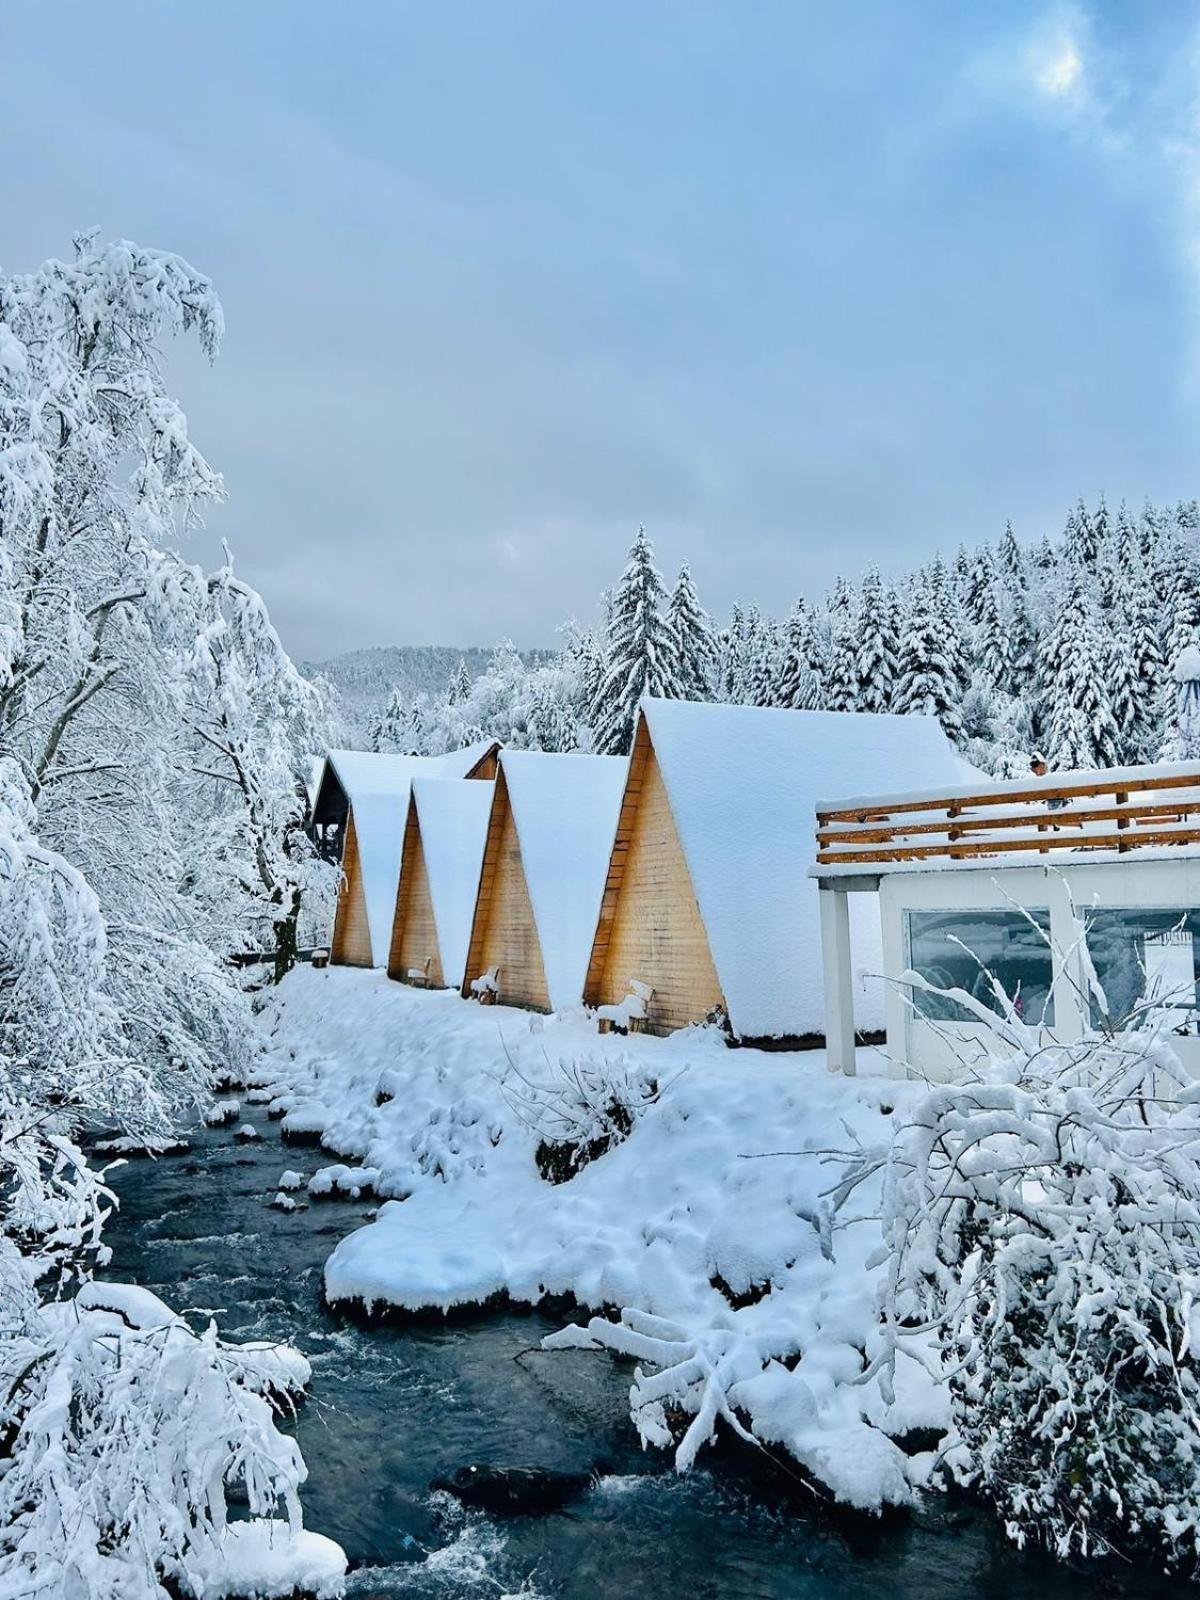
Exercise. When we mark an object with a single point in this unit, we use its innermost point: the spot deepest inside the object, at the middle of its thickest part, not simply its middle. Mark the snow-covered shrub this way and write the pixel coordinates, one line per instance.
(1042, 1221)
(127, 1430)
(578, 1108)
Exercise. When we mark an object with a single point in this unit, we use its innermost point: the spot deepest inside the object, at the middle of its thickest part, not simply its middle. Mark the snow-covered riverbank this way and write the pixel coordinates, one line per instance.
(712, 1247)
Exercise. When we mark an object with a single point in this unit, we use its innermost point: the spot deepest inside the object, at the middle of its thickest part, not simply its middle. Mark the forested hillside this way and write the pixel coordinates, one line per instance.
(1063, 647)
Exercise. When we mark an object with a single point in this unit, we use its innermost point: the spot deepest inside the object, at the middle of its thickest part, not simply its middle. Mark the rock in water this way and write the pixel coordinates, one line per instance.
(515, 1491)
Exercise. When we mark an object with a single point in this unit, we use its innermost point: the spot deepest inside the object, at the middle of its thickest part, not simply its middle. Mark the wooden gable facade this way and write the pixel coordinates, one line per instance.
(650, 929)
(351, 942)
(504, 934)
(415, 955)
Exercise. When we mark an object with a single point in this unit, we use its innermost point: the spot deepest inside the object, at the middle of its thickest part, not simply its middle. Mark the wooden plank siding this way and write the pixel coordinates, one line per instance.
(503, 931)
(414, 929)
(650, 926)
(351, 943)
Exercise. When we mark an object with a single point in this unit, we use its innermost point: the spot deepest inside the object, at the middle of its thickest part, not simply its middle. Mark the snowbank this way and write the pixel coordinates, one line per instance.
(265, 1559)
(758, 1307)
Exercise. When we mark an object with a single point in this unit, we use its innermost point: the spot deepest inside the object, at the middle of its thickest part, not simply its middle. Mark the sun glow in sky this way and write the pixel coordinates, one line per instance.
(799, 286)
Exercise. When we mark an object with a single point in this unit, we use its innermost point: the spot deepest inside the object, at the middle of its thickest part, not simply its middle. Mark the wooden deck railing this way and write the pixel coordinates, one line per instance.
(1132, 808)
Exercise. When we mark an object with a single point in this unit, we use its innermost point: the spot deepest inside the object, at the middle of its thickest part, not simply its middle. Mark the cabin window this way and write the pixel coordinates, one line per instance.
(968, 949)
(1145, 959)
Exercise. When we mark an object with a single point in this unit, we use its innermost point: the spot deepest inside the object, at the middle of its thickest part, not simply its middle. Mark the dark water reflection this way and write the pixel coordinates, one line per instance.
(391, 1409)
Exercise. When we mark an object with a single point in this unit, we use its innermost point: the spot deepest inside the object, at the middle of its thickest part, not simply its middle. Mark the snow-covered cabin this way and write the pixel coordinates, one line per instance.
(439, 881)
(362, 802)
(548, 844)
(1078, 892)
(707, 901)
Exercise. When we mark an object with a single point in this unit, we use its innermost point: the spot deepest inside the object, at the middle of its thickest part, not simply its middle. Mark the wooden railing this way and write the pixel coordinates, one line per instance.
(1128, 809)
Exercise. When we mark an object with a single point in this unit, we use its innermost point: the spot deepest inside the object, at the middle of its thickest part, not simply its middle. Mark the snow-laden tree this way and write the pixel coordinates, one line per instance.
(459, 686)
(1081, 728)
(926, 680)
(877, 634)
(1042, 1223)
(762, 683)
(802, 667)
(256, 723)
(1010, 560)
(642, 650)
(99, 478)
(698, 658)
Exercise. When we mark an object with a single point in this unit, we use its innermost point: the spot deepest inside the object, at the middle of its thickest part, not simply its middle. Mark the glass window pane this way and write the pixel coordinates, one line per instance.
(966, 949)
(1145, 957)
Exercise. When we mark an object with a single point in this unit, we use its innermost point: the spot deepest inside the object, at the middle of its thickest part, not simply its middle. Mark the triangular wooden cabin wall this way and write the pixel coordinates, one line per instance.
(351, 943)
(650, 927)
(504, 932)
(414, 930)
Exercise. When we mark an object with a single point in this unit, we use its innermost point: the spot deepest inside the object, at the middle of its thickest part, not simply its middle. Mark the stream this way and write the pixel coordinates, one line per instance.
(392, 1408)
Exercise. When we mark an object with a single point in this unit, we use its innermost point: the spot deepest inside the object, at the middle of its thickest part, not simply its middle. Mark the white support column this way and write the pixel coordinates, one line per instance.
(1070, 981)
(838, 978)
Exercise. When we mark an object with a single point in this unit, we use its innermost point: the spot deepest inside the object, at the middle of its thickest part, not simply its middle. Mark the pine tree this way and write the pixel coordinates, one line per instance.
(1182, 601)
(1082, 729)
(731, 670)
(689, 623)
(801, 670)
(766, 666)
(1010, 561)
(981, 578)
(841, 662)
(878, 640)
(642, 650)
(459, 687)
(926, 680)
(957, 646)
(1079, 538)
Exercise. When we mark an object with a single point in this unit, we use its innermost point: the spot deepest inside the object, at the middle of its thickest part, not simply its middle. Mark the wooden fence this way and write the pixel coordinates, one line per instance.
(1126, 810)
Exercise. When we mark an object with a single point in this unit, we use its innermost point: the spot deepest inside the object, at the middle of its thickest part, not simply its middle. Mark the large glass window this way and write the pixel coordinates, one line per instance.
(1145, 958)
(967, 949)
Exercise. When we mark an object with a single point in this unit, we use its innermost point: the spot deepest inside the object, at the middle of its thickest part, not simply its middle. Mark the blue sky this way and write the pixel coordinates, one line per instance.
(801, 287)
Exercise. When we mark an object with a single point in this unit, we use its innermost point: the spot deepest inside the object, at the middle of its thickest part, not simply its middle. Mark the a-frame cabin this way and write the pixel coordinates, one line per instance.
(439, 881)
(548, 843)
(362, 803)
(707, 902)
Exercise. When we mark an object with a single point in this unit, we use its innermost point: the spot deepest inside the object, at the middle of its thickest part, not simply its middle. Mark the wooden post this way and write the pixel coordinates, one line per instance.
(1122, 822)
(839, 980)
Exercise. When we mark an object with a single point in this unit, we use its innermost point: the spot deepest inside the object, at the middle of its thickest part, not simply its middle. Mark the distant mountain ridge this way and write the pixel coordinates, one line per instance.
(365, 679)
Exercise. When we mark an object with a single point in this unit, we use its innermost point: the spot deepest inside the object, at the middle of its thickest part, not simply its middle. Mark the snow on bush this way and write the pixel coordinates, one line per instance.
(128, 1430)
(1042, 1223)
(578, 1107)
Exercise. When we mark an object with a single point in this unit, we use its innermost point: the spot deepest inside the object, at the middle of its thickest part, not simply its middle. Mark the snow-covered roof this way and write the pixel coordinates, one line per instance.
(565, 808)
(453, 818)
(377, 787)
(743, 783)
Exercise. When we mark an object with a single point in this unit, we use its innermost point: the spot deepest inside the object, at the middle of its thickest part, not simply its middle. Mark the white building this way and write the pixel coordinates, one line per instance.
(1079, 893)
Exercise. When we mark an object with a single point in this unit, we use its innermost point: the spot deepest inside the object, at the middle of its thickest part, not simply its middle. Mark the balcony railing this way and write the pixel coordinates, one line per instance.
(1122, 809)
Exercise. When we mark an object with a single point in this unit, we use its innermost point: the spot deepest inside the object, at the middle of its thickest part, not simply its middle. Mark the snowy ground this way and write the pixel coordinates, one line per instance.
(703, 1251)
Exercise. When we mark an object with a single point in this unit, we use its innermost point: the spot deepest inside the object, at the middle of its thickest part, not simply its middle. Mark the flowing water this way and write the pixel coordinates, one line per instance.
(393, 1408)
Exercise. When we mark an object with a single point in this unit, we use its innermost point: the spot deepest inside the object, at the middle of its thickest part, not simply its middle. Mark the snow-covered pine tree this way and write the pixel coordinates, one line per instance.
(801, 671)
(980, 579)
(878, 639)
(841, 661)
(731, 666)
(766, 665)
(1081, 728)
(691, 627)
(642, 650)
(926, 680)
(1010, 562)
(1079, 538)
(459, 686)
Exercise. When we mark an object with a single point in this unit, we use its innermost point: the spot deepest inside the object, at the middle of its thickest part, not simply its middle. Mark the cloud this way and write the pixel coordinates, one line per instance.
(1056, 64)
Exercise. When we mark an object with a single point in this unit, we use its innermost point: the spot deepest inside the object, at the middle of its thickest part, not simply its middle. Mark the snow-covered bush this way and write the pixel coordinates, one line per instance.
(127, 1431)
(578, 1107)
(1042, 1222)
